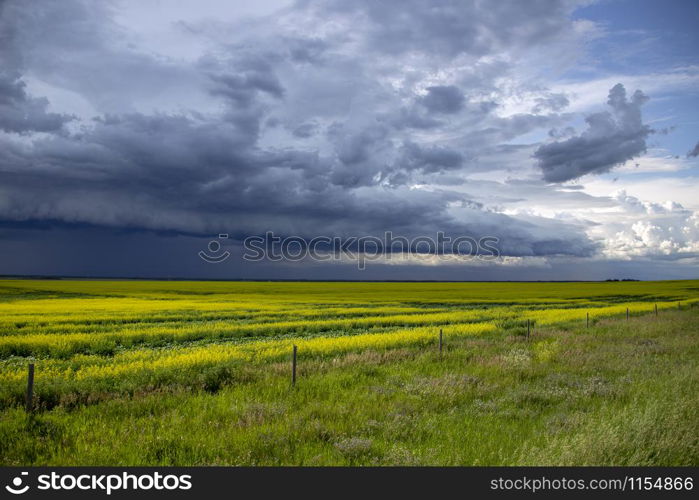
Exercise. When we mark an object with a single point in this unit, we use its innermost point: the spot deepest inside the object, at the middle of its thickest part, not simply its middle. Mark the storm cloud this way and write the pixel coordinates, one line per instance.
(21, 113)
(611, 139)
(333, 118)
(443, 99)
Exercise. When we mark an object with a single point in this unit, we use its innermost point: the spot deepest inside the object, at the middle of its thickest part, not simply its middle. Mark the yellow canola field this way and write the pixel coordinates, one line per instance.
(102, 336)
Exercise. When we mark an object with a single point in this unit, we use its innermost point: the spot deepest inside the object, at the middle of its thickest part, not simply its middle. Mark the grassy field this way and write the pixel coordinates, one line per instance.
(180, 373)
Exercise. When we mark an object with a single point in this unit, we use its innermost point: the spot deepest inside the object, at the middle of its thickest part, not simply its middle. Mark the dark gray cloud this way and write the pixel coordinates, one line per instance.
(250, 77)
(307, 50)
(76, 45)
(413, 118)
(611, 138)
(135, 172)
(550, 102)
(444, 99)
(694, 152)
(287, 127)
(305, 130)
(451, 27)
(430, 159)
(22, 113)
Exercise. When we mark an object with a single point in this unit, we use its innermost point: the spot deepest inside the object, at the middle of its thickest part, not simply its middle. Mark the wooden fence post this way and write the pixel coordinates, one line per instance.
(293, 367)
(30, 388)
(587, 320)
(656, 310)
(627, 314)
(528, 328)
(440, 342)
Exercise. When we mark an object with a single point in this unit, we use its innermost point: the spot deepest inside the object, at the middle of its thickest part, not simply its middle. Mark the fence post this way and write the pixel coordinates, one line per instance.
(440, 343)
(528, 328)
(30, 388)
(293, 367)
(678, 305)
(587, 320)
(627, 314)
(656, 310)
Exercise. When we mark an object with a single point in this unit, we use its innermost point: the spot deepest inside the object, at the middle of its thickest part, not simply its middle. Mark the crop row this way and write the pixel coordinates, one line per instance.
(64, 345)
(147, 369)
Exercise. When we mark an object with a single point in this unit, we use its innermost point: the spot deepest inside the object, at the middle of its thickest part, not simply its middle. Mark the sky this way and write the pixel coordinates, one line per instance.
(144, 138)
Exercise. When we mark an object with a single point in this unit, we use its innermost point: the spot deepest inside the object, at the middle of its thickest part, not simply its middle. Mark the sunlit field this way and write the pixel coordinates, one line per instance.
(158, 372)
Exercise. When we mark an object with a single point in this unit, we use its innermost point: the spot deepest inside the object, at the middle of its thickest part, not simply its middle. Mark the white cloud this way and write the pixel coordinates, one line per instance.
(655, 189)
(638, 228)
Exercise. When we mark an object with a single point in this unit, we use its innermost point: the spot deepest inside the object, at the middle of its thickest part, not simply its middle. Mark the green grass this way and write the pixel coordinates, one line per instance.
(618, 393)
